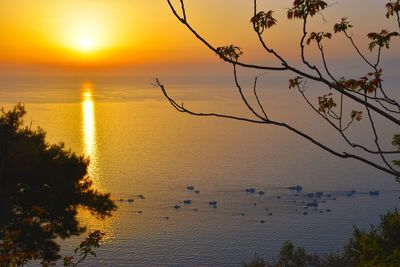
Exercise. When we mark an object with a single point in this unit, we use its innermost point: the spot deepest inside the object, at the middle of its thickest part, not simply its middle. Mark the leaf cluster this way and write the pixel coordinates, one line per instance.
(326, 103)
(295, 82)
(392, 8)
(396, 143)
(367, 84)
(318, 37)
(303, 8)
(263, 20)
(342, 26)
(381, 39)
(231, 52)
(356, 115)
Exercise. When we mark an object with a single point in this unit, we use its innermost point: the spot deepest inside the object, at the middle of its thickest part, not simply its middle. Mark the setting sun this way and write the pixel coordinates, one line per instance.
(85, 44)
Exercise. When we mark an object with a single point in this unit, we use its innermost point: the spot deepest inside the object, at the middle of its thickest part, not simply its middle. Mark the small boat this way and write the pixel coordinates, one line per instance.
(295, 188)
(197, 191)
(212, 203)
(312, 204)
(261, 193)
(190, 187)
(374, 193)
(187, 202)
(177, 207)
(130, 200)
(251, 190)
(319, 194)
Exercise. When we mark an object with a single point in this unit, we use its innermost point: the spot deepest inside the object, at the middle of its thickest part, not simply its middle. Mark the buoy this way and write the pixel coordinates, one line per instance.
(251, 190)
(212, 203)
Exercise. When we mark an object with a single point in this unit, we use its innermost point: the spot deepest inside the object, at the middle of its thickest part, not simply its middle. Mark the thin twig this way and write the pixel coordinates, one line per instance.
(257, 98)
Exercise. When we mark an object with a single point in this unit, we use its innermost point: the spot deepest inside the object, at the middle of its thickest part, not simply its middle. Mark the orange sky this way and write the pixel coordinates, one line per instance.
(106, 34)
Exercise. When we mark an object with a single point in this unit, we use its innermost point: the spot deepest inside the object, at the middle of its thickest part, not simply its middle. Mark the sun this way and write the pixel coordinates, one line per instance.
(85, 44)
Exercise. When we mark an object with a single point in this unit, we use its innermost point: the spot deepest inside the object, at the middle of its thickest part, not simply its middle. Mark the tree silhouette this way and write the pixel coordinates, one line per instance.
(41, 188)
(378, 246)
(365, 97)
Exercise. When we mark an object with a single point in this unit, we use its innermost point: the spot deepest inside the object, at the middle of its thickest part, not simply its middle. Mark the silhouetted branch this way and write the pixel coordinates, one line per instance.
(244, 98)
(263, 43)
(343, 155)
(214, 49)
(368, 91)
(257, 98)
(376, 139)
(302, 46)
(341, 130)
(375, 68)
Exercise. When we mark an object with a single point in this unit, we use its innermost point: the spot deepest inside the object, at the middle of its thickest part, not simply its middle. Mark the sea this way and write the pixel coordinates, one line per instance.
(154, 159)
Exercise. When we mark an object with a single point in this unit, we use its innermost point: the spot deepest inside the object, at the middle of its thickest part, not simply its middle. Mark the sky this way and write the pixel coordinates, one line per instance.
(115, 35)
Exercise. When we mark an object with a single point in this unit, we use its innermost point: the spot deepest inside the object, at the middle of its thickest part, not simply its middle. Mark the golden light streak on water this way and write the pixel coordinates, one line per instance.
(90, 149)
(89, 133)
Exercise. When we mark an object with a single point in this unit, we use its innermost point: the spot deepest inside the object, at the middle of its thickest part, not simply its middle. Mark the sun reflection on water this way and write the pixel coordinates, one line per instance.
(90, 149)
(89, 132)
(88, 121)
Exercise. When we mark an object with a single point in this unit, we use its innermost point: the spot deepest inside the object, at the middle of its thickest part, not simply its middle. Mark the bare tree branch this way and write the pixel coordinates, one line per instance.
(368, 91)
(344, 155)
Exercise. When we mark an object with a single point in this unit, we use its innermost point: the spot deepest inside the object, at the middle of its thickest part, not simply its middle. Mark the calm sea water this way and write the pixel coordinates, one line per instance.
(139, 145)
